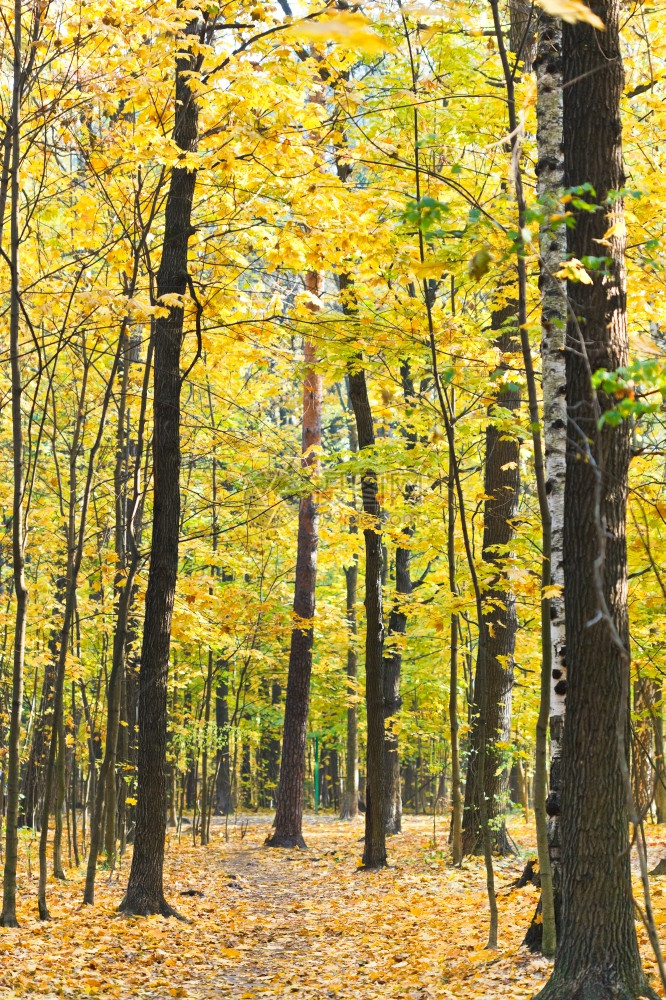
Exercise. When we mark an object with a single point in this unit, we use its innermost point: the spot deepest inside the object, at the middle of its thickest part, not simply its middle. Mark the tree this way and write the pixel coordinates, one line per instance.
(374, 853)
(501, 484)
(552, 245)
(11, 173)
(289, 812)
(598, 957)
(145, 891)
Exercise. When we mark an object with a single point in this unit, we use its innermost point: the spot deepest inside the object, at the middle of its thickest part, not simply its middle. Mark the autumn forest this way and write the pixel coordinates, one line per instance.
(332, 499)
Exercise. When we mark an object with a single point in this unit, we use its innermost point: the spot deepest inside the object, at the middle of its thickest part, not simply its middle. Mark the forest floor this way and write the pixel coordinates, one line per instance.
(275, 923)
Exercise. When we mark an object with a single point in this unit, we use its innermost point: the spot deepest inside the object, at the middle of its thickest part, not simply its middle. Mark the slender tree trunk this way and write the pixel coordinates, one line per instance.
(58, 871)
(456, 796)
(660, 777)
(223, 804)
(642, 749)
(349, 808)
(597, 957)
(204, 754)
(8, 917)
(145, 890)
(75, 542)
(397, 627)
(552, 245)
(501, 486)
(374, 854)
(289, 812)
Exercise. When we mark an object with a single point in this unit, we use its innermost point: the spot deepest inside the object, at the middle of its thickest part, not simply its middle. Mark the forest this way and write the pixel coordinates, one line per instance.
(332, 499)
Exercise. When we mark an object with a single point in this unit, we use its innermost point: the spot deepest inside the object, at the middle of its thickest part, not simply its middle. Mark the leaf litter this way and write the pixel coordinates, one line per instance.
(272, 923)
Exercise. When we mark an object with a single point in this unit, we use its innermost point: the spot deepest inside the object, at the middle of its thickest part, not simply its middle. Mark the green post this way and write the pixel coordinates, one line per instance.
(316, 773)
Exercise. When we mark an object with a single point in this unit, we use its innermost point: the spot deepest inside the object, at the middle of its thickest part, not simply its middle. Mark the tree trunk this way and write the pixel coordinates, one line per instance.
(660, 777)
(501, 485)
(374, 853)
(642, 749)
(204, 752)
(8, 917)
(597, 957)
(223, 803)
(289, 812)
(349, 808)
(456, 797)
(550, 171)
(397, 627)
(145, 891)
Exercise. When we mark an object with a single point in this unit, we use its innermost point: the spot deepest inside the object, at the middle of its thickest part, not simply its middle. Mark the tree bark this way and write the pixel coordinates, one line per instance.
(397, 627)
(374, 853)
(501, 485)
(660, 777)
(349, 808)
(552, 246)
(8, 917)
(289, 812)
(597, 957)
(145, 891)
(223, 802)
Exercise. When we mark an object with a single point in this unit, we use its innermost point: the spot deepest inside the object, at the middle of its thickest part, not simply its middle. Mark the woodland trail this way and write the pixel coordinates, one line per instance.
(275, 924)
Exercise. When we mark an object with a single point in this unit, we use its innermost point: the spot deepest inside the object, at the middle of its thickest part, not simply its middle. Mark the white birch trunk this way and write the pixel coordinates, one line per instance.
(548, 67)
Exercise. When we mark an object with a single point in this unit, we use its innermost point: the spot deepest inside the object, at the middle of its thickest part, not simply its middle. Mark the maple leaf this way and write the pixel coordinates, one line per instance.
(572, 11)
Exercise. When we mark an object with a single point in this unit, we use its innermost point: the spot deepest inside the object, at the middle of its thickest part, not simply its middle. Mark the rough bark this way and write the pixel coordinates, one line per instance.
(374, 853)
(522, 33)
(289, 812)
(598, 956)
(145, 891)
(501, 484)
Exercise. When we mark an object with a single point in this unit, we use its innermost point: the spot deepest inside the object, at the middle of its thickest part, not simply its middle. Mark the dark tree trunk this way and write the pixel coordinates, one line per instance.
(350, 798)
(397, 626)
(223, 801)
(374, 854)
(349, 807)
(273, 746)
(501, 484)
(597, 957)
(145, 891)
(289, 811)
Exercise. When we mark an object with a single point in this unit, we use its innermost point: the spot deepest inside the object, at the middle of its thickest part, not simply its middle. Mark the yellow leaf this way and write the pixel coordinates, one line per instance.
(573, 270)
(352, 30)
(571, 11)
(554, 590)
(429, 268)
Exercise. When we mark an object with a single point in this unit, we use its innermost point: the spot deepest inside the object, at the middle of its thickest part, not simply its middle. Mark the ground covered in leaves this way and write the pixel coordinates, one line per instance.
(266, 923)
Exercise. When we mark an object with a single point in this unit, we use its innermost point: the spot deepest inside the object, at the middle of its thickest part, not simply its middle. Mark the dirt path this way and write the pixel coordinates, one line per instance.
(311, 924)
